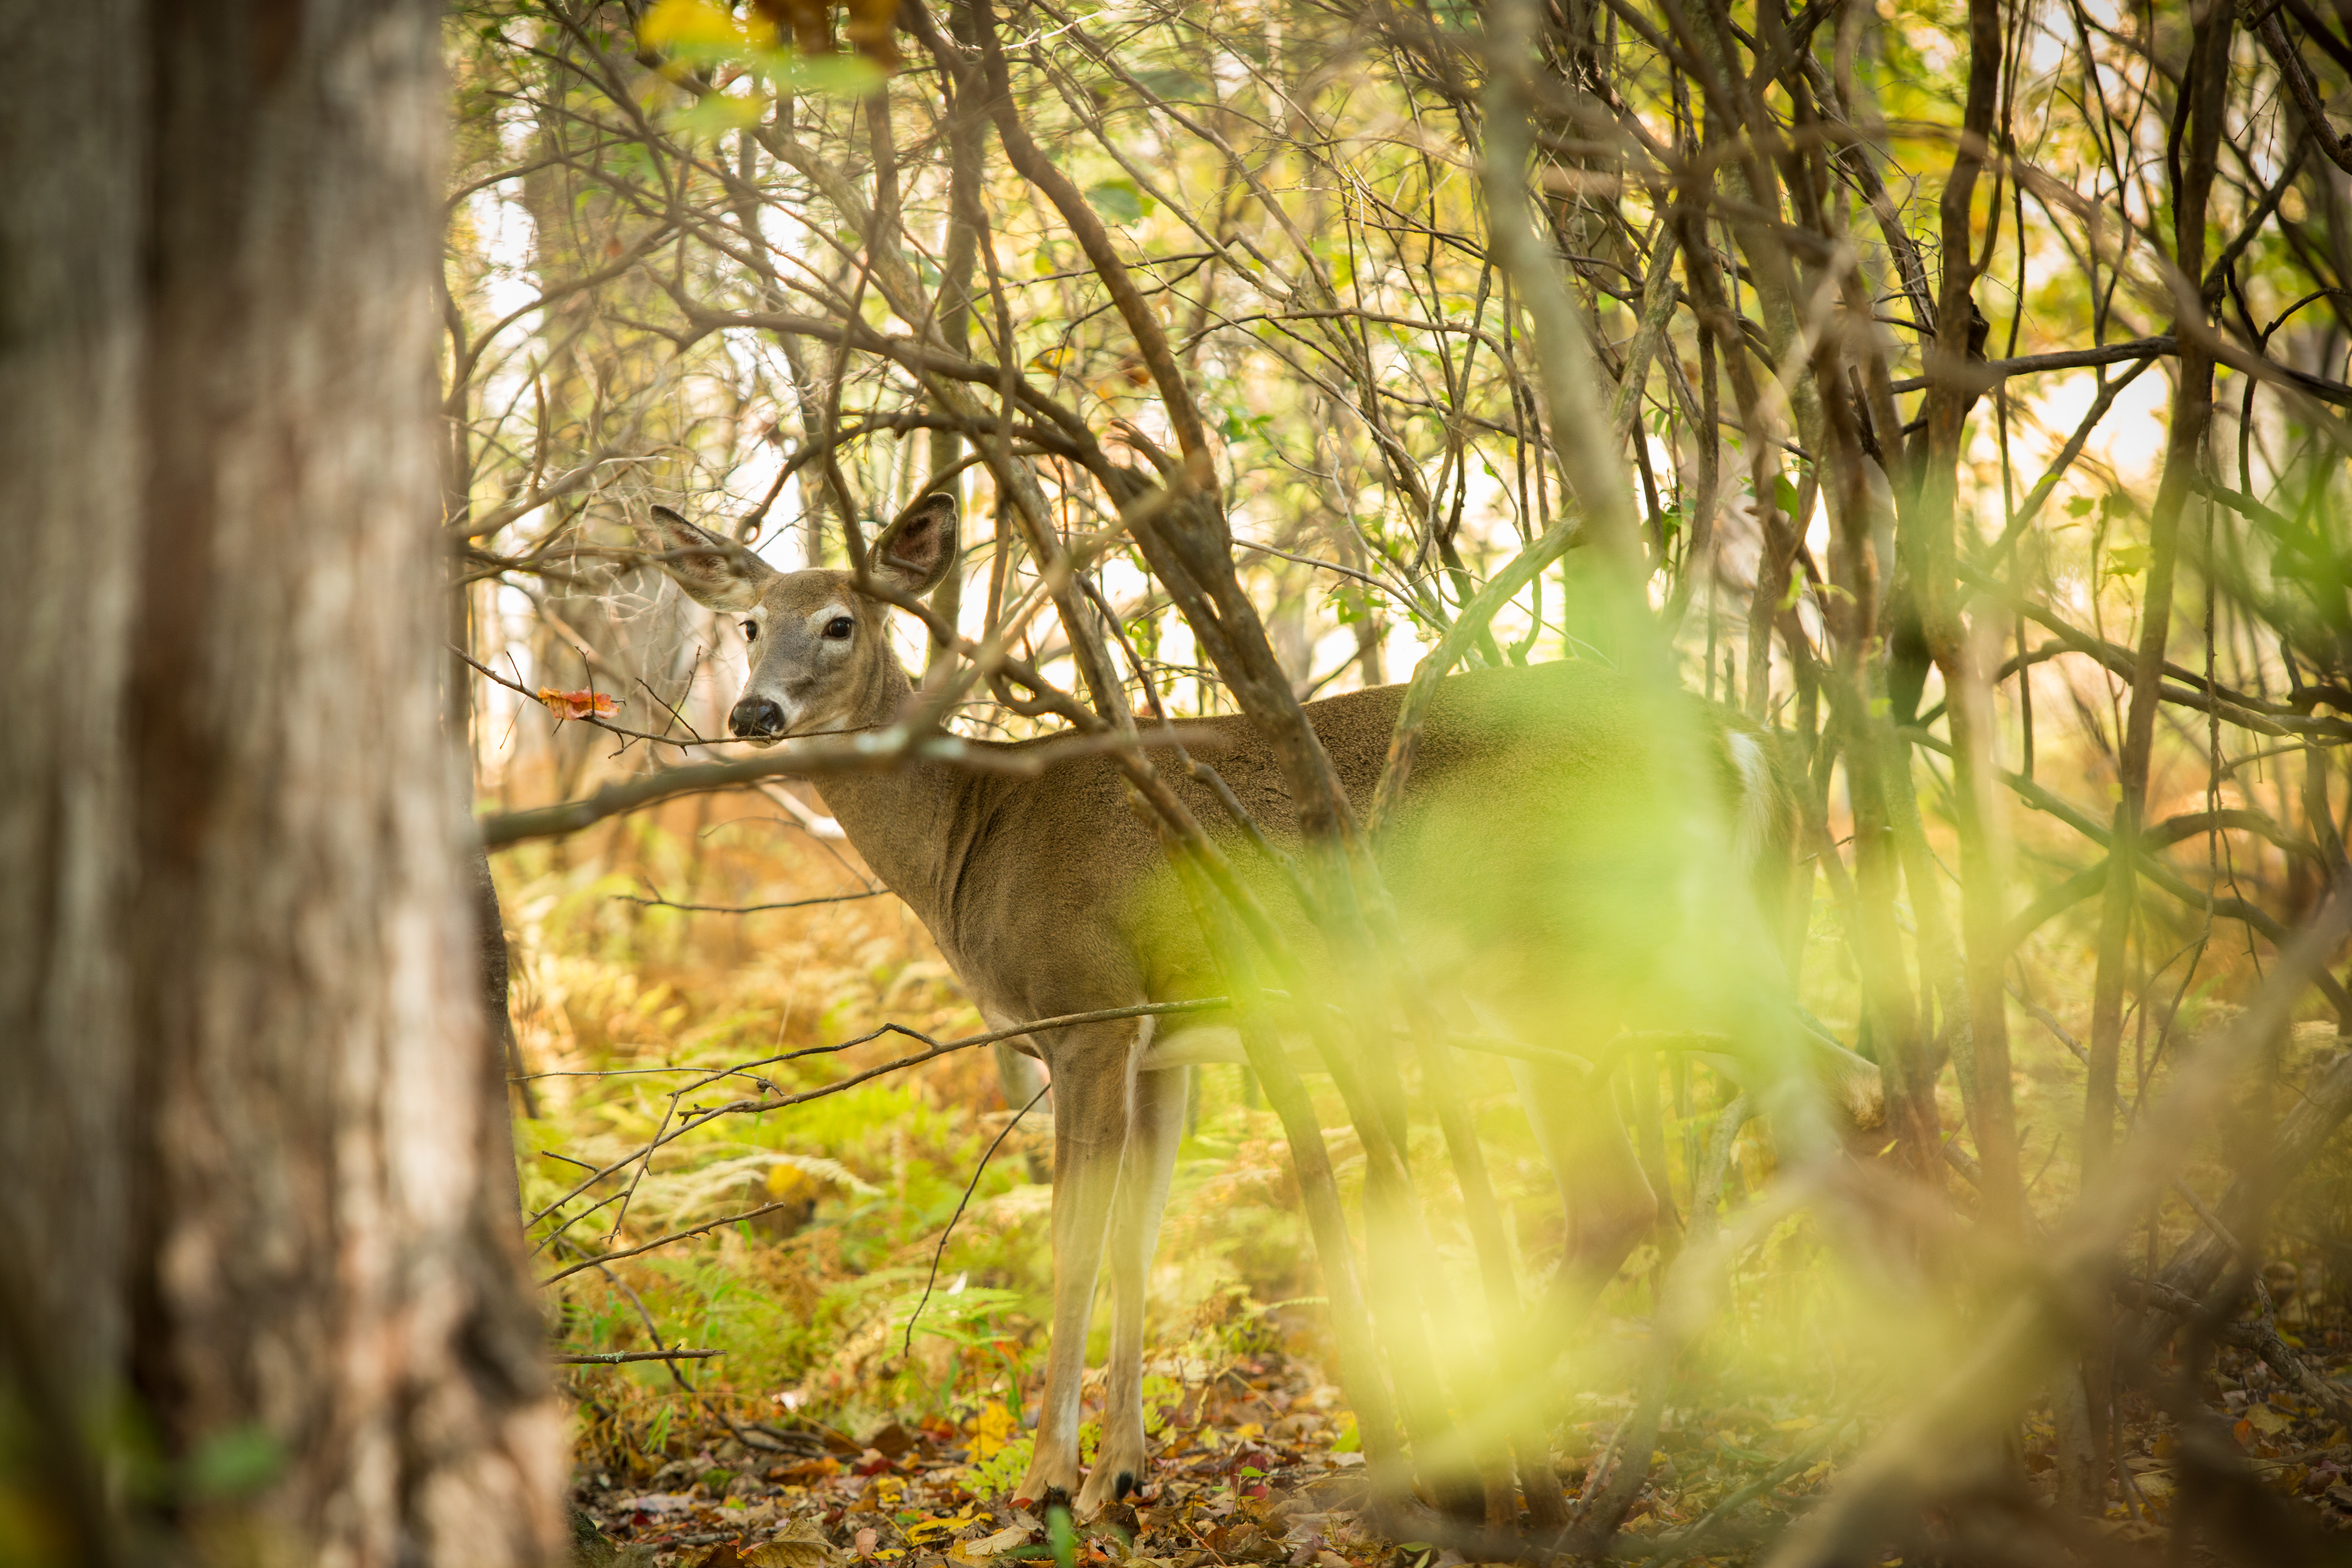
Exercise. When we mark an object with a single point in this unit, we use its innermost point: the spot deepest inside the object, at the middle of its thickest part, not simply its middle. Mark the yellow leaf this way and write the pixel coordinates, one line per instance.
(995, 1427)
(926, 1530)
(696, 24)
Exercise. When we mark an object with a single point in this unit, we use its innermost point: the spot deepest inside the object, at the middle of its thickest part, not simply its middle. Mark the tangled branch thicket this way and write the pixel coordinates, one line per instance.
(1956, 390)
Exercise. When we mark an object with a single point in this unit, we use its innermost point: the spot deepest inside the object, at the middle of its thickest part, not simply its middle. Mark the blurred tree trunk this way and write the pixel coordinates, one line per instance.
(249, 1124)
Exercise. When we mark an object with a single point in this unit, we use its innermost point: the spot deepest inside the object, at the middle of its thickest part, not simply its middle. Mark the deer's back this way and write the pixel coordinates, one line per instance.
(1539, 830)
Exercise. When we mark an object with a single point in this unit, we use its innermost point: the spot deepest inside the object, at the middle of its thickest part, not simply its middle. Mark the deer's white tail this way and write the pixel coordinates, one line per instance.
(1758, 801)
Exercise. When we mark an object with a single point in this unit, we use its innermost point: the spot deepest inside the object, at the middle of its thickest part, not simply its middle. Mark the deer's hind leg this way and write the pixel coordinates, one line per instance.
(1018, 1076)
(1094, 1088)
(1610, 1205)
(1154, 1129)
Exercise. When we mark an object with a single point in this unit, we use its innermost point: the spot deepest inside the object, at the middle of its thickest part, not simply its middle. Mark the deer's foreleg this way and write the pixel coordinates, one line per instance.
(1153, 1131)
(1094, 1082)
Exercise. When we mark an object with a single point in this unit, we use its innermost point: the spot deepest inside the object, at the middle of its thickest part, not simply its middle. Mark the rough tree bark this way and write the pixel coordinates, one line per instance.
(249, 1117)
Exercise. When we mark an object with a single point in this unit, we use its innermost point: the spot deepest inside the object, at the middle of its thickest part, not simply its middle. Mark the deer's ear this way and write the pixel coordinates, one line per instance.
(713, 571)
(918, 551)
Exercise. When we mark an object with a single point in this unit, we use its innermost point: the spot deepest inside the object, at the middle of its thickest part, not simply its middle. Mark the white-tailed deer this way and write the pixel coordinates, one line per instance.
(1536, 855)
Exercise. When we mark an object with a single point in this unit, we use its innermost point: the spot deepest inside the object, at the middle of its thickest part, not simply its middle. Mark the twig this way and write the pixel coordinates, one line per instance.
(614, 1358)
(745, 1106)
(2213, 1223)
(663, 1241)
(605, 724)
(1979, 376)
(864, 751)
(751, 909)
(1683, 1544)
(652, 1328)
(2049, 1021)
(2260, 1336)
(907, 1347)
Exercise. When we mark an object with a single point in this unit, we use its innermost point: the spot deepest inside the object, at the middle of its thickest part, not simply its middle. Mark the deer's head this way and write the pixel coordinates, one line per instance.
(819, 649)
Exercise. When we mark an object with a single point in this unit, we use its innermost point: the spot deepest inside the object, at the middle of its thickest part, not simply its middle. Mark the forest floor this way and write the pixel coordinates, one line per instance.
(1247, 1472)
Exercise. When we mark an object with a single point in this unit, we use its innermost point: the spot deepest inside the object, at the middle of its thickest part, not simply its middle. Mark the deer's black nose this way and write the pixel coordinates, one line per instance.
(757, 718)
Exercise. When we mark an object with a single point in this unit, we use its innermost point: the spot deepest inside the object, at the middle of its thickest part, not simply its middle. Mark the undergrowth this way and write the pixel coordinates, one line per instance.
(626, 1013)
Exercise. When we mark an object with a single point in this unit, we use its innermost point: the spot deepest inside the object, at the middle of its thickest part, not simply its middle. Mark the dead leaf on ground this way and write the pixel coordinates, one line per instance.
(988, 1546)
(800, 1546)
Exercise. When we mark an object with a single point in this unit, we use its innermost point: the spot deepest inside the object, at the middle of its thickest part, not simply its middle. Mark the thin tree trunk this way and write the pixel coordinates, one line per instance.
(264, 1117)
(2193, 416)
(967, 133)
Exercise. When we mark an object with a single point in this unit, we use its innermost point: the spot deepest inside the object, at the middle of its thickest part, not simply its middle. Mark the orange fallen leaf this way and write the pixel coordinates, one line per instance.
(578, 704)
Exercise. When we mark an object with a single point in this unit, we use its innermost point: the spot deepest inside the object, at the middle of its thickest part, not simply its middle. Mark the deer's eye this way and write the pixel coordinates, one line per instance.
(750, 631)
(839, 627)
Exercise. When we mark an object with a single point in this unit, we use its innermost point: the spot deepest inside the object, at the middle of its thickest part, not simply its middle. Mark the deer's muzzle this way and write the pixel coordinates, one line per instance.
(757, 719)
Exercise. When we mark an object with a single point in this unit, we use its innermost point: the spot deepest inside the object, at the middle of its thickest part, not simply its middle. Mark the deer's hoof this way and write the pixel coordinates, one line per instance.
(1109, 1484)
(1052, 1480)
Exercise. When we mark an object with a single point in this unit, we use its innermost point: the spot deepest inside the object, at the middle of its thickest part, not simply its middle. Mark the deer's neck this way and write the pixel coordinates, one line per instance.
(902, 819)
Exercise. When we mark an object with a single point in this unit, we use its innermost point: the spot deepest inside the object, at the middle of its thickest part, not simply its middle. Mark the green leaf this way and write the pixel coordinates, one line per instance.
(1784, 496)
(2127, 561)
(234, 1463)
(838, 75)
(717, 113)
(1118, 200)
(1167, 83)
(1237, 428)
(2080, 506)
